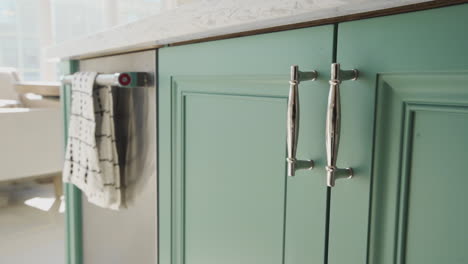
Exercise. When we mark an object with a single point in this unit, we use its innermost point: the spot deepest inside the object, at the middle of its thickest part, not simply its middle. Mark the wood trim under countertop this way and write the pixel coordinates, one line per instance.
(332, 20)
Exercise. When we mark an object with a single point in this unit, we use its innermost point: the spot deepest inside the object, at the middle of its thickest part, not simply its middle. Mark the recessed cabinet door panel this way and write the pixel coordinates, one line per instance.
(420, 174)
(224, 196)
(413, 82)
(225, 212)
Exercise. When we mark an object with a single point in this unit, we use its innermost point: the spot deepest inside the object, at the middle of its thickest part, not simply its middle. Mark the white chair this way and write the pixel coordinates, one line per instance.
(31, 137)
(8, 95)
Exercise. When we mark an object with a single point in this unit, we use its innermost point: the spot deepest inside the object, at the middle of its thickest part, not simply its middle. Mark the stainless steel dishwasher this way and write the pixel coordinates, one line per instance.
(128, 235)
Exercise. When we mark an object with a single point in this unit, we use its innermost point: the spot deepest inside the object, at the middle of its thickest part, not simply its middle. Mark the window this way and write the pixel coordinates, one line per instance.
(27, 27)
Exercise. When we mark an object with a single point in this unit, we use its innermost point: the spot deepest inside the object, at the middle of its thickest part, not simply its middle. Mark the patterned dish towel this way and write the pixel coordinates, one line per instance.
(91, 160)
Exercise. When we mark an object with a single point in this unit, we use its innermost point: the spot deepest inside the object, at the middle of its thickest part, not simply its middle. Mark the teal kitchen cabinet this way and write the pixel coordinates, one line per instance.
(406, 203)
(223, 192)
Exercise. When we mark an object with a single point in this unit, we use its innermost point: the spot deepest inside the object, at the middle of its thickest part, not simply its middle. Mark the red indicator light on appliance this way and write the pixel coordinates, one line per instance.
(125, 79)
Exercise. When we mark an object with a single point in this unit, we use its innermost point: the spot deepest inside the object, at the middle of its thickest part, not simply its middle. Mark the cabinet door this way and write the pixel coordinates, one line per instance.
(224, 196)
(412, 182)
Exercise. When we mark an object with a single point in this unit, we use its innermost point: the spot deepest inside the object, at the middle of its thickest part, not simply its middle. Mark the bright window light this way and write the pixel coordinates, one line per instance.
(33, 96)
(14, 110)
(62, 204)
(40, 203)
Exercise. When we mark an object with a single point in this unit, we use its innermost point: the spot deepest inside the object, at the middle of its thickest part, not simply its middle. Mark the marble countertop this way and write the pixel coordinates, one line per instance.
(209, 18)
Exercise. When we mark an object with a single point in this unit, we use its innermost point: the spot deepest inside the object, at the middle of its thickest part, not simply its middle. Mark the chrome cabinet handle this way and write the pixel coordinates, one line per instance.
(293, 120)
(333, 124)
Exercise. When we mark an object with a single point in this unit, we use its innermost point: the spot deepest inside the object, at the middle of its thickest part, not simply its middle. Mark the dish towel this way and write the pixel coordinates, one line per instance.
(91, 159)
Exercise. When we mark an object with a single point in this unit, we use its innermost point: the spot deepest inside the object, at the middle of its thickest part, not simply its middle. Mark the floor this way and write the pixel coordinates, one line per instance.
(31, 224)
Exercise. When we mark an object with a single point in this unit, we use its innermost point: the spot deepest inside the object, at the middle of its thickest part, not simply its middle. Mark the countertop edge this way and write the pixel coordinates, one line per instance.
(183, 25)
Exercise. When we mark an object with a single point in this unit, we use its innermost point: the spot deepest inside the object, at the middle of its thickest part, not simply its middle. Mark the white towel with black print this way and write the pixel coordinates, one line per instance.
(91, 160)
